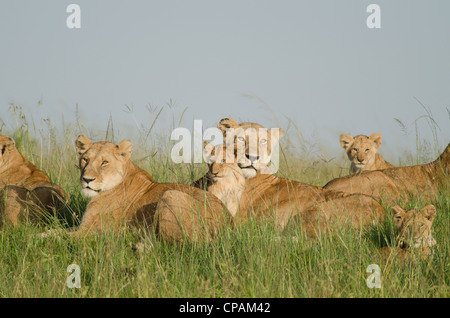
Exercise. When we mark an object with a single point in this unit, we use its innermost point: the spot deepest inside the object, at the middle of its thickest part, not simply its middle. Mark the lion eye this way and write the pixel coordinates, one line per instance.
(263, 141)
(366, 151)
(104, 163)
(84, 160)
(355, 150)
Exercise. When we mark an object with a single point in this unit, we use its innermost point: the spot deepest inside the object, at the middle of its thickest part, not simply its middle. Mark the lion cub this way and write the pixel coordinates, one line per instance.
(362, 152)
(224, 178)
(414, 230)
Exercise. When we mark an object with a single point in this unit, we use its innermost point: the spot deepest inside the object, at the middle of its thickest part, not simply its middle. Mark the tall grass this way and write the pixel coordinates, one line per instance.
(252, 260)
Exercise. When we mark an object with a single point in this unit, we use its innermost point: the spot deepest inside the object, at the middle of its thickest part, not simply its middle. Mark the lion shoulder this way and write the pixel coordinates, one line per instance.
(21, 172)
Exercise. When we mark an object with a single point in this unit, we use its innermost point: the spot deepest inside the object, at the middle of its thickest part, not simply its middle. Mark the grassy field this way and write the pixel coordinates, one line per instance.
(250, 261)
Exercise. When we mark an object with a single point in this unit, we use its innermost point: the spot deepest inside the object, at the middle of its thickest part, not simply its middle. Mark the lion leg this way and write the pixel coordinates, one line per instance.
(49, 202)
(179, 216)
(19, 204)
(12, 204)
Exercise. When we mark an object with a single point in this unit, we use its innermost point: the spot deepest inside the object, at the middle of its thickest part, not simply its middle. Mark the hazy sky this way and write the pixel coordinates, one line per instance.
(315, 63)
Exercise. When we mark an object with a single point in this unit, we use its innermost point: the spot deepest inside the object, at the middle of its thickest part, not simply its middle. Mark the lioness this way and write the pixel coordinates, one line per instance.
(27, 193)
(392, 184)
(414, 230)
(266, 196)
(362, 152)
(119, 192)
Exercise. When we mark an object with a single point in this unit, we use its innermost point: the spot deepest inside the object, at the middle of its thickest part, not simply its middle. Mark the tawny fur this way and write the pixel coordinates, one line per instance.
(268, 197)
(224, 178)
(182, 216)
(253, 143)
(120, 193)
(423, 181)
(26, 192)
(362, 151)
(414, 232)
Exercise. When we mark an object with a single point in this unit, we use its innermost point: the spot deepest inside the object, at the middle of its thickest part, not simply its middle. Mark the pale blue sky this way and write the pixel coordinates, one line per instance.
(313, 62)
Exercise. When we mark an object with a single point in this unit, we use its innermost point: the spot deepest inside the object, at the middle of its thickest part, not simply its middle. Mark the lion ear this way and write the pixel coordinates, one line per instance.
(208, 151)
(9, 145)
(399, 213)
(275, 135)
(226, 123)
(125, 148)
(429, 212)
(345, 140)
(208, 147)
(376, 138)
(83, 143)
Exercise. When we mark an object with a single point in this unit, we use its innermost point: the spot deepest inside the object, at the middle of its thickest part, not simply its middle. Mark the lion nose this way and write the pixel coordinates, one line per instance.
(87, 179)
(252, 158)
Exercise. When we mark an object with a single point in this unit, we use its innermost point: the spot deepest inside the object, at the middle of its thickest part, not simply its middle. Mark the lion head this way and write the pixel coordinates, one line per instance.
(253, 140)
(102, 164)
(221, 163)
(361, 150)
(414, 227)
